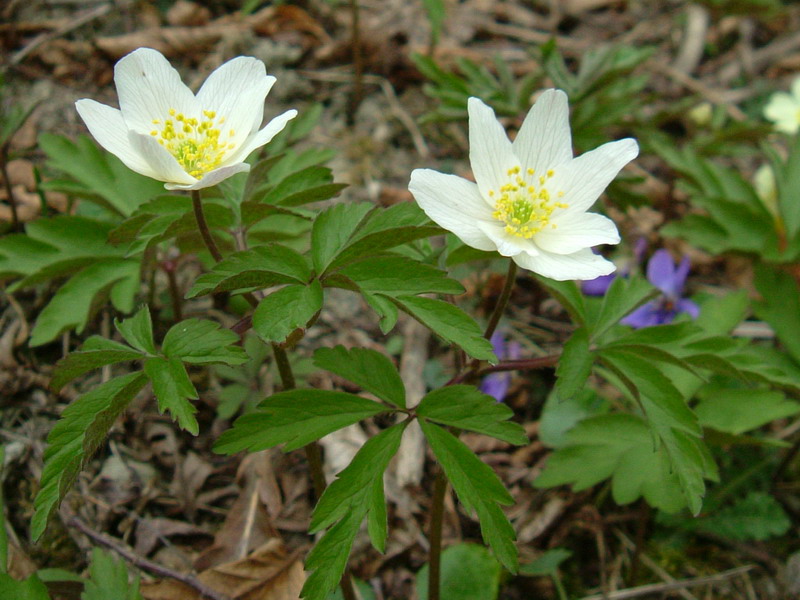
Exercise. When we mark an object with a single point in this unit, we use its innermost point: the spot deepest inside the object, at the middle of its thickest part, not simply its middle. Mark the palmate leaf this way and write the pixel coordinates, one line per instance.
(395, 275)
(620, 447)
(574, 365)
(200, 342)
(357, 492)
(86, 292)
(173, 390)
(287, 309)
(478, 488)
(469, 572)
(386, 229)
(74, 439)
(108, 578)
(31, 588)
(369, 369)
(449, 322)
(757, 516)
(465, 407)
(333, 229)
(257, 268)
(96, 352)
(96, 175)
(295, 418)
(736, 411)
(138, 331)
(69, 246)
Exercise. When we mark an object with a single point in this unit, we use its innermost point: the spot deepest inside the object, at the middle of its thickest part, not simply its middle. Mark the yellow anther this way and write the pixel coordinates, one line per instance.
(531, 171)
(154, 132)
(172, 112)
(550, 173)
(523, 207)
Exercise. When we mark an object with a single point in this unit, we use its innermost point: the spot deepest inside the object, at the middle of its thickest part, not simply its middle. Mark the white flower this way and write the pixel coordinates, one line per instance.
(162, 130)
(531, 196)
(784, 109)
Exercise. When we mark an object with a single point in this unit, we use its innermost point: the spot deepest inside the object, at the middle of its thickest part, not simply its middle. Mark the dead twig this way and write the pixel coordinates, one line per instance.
(657, 588)
(141, 562)
(80, 20)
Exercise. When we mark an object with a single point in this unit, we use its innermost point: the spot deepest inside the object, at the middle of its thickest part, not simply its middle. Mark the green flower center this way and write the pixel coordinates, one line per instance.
(194, 143)
(525, 206)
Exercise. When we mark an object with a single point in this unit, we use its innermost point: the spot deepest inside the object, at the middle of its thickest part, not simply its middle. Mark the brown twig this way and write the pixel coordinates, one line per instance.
(143, 563)
(658, 588)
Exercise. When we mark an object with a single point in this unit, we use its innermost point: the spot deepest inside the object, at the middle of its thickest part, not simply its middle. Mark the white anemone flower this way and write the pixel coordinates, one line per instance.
(784, 109)
(531, 196)
(162, 130)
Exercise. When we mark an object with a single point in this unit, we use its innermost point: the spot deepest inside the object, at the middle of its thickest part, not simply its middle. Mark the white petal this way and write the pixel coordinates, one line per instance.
(452, 203)
(582, 265)
(796, 88)
(507, 244)
(575, 231)
(236, 91)
(544, 141)
(108, 127)
(783, 110)
(163, 164)
(258, 139)
(148, 87)
(212, 177)
(490, 151)
(583, 179)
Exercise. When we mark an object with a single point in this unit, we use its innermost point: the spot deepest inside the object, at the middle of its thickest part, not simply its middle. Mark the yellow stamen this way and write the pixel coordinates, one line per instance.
(525, 208)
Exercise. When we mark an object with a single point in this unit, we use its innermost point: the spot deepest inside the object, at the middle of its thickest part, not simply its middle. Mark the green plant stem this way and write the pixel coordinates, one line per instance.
(502, 302)
(203, 226)
(435, 539)
(313, 454)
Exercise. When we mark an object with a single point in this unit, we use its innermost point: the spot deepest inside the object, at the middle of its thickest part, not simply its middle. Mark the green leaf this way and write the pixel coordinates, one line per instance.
(350, 497)
(200, 342)
(546, 564)
(333, 229)
(399, 275)
(352, 491)
(108, 578)
(574, 365)
(77, 363)
(559, 416)
(101, 176)
(624, 295)
(368, 369)
(569, 295)
(779, 306)
(138, 331)
(328, 558)
(736, 411)
(478, 488)
(620, 447)
(78, 299)
(31, 588)
(469, 572)
(310, 184)
(385, 308)
(296, 418)
(290, 308)
(465, 407)
(385, 229)
(257, 268)
(757, 516)
(173, 389)
(83, 426)
(449, 322)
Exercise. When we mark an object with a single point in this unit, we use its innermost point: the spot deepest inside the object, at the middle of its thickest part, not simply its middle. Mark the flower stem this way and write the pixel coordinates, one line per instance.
(502, 302)
(203, 226)
(435, 557)
(313, 454)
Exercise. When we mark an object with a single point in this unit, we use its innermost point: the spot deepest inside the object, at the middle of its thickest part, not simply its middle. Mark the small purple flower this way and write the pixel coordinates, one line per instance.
(496, 384)
(598, 286)
(663, 273)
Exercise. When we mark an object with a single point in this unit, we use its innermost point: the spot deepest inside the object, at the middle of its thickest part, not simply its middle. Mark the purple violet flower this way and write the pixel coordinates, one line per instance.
(496, 384)
(663, 273)
(599, 286)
